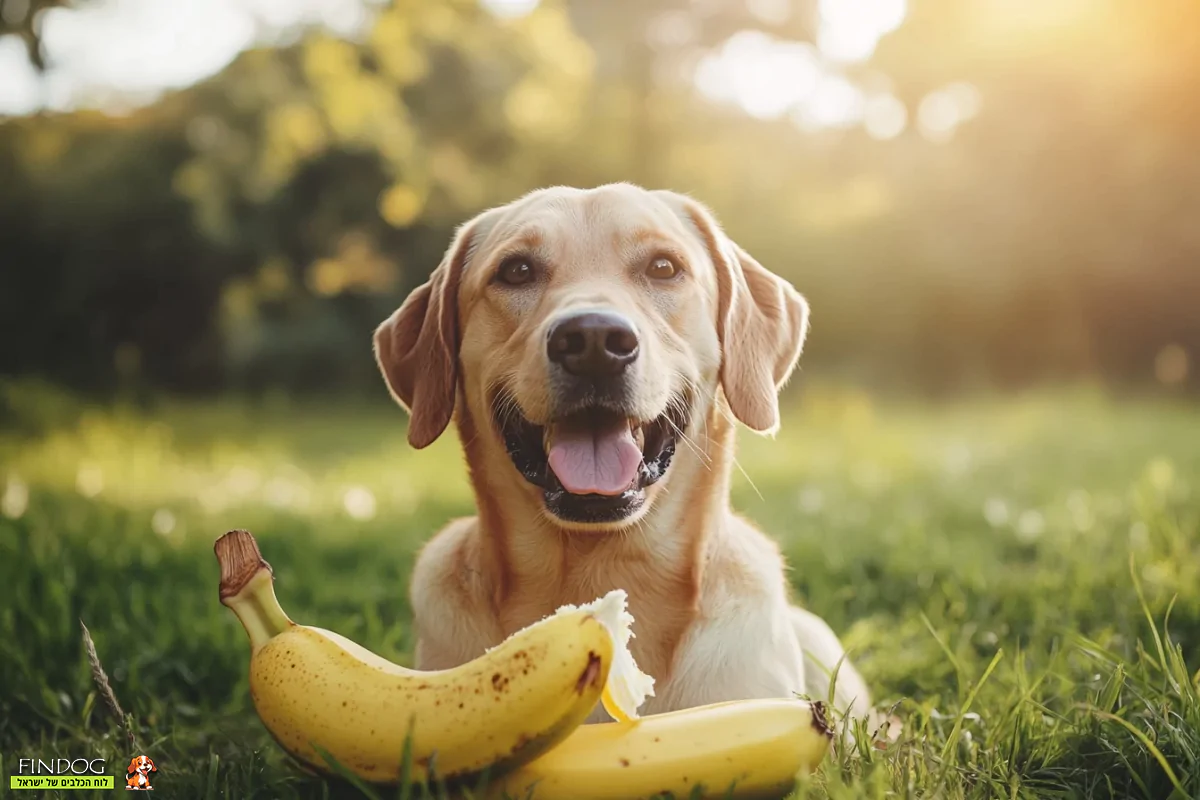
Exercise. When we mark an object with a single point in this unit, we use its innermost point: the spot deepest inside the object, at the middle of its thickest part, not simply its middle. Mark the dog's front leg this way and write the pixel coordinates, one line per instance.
(822, 652)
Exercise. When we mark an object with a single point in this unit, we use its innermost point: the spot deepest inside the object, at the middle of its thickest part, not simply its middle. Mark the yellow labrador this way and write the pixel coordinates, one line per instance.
(594, 348)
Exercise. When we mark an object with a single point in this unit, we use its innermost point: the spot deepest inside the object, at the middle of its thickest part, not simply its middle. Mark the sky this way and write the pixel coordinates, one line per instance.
(118, 54)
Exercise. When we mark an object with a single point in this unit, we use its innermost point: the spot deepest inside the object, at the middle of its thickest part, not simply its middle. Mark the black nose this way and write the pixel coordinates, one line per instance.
(593, 344)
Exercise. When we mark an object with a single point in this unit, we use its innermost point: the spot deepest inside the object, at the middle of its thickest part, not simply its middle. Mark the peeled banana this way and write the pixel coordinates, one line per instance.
(748, 749)
(315, 689)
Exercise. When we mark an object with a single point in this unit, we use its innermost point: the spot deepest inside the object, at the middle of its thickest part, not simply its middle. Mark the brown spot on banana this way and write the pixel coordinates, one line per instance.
(820, 721)
(590, 674)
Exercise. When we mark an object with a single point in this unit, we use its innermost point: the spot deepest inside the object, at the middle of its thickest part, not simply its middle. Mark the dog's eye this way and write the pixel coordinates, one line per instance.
(515, 272)
(662, 269)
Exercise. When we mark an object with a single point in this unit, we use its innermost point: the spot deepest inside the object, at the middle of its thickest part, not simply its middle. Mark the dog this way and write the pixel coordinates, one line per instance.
(138, 774)
(595, 349)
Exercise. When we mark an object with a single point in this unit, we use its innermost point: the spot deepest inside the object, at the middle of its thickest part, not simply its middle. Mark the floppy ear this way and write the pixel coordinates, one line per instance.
(132, 765)
(153, 768)
(762, 322)
(417, 347)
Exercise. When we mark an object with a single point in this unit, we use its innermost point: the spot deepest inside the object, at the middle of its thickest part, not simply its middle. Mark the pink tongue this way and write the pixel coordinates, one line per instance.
(595, 461)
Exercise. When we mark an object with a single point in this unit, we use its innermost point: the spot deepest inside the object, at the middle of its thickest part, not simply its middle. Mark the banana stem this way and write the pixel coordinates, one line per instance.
(248, 587)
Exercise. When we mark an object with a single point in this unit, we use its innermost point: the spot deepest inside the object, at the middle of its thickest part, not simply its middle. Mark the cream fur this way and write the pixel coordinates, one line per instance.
(713, 616)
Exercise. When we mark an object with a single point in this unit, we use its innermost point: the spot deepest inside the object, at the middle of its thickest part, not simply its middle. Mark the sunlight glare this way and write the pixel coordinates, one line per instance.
(884, 117)
(359, 503)
(1030, 526)
(15, 499)
(943, 110)
(995, 511)
(811, 500)
(771, 12)
(89, 480)
(765, 76)
(671, 29)
(850, 30)
(967, 97)
(769, 77)
(509, 9)
(121, 53)
(834, 103)
(163, 522)
(139, 46)
(937, 117)
(19, 91)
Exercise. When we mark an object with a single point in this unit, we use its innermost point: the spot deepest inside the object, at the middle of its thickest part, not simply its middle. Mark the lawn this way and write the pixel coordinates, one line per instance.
(1020, 576)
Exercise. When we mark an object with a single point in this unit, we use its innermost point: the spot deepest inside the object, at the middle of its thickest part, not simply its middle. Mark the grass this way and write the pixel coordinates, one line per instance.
(1021, 577)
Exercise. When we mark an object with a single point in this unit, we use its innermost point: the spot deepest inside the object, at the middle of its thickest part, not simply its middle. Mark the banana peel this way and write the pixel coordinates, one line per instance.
(514, 714)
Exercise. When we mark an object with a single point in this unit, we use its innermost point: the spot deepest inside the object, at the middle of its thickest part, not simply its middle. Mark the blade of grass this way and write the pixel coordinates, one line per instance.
(1149, 745)
(955, 732)
(1137, 587)
(100, 678)
(404, 791)
(343, 772)
(485, 778)
(958, 670)
(210, 790)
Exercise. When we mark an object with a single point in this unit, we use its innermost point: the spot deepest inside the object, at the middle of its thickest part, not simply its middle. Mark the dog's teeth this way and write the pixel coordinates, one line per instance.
(547, 436)
(639, 436)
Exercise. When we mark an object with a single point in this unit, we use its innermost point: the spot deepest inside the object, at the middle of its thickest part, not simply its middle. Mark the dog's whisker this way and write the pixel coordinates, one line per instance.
(729, 417)
(695, 446)
(749, 480)
(725, 413)
(687, 440)
(709, 400)
(705, 460)
(506, 405)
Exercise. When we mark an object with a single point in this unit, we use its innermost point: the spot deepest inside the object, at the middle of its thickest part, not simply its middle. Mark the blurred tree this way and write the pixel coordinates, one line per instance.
(104, 278)
(251, 230)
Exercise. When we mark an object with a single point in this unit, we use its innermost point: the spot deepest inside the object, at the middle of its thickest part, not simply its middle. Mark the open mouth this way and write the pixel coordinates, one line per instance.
(592, 465)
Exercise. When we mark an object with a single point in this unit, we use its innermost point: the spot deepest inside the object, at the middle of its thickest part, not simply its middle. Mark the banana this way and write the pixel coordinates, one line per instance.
(313, 688)
(743, 749)
(627, 686)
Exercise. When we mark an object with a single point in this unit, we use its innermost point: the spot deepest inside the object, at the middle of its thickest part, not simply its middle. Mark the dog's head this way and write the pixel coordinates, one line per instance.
(588, 332)
(141, 765)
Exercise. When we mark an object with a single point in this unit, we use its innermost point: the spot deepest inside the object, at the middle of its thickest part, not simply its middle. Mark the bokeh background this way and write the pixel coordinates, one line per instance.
(988, 473)
(228, 195)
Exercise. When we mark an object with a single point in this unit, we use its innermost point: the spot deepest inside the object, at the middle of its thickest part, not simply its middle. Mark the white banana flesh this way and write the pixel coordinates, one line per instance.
(627, 686)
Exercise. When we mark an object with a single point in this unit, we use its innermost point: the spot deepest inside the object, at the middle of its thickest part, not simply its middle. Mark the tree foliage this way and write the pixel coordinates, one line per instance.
(250, 231)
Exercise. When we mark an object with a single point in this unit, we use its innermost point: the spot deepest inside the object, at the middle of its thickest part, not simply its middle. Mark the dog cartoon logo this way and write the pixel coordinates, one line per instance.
(137, 774)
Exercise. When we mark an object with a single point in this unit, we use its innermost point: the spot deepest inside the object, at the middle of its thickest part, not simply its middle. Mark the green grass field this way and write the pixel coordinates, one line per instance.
(1022, 577)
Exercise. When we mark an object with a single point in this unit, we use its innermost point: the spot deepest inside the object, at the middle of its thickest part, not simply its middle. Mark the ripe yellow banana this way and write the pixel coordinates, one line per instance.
(757, 747)
(315, 689)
